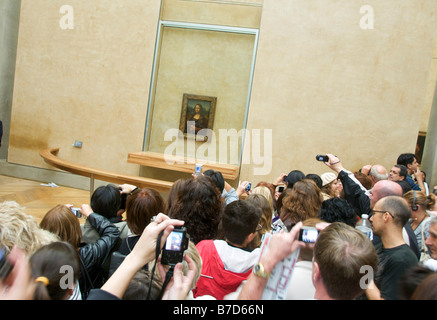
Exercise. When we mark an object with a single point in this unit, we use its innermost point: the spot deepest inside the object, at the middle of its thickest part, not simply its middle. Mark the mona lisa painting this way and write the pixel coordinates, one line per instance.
(197, 114)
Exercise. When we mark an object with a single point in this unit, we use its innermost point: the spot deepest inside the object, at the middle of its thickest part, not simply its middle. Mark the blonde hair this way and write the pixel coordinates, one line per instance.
(21, 229)
(265, 191)
(194, 254)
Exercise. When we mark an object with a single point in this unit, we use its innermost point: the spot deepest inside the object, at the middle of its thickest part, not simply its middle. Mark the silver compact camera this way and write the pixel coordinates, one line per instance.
(77, 212)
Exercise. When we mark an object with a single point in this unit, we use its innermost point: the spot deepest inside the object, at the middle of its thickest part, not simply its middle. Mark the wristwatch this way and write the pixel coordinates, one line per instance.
(259, 271)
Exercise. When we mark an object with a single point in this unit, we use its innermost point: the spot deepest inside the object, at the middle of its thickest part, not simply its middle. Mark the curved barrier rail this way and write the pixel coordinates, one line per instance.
(50, 156)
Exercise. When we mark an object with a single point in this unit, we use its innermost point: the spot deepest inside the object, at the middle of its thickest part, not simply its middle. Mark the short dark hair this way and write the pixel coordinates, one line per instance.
(217, 178)
(316, 178)
(106, 201)
(403, 170)
(398, 207)
(240, 218)
(293, 177)
(406, 159)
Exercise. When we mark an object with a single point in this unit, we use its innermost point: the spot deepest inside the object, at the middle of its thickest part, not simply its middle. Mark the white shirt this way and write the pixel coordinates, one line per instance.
(301, 283)
(235, 259)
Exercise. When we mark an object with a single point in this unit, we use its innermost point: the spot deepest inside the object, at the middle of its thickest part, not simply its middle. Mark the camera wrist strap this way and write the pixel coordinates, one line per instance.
(168, 277)
(152, 274)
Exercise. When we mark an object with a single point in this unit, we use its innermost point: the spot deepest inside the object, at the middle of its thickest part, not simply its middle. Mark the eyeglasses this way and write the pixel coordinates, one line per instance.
(259, 227)
(383, 211)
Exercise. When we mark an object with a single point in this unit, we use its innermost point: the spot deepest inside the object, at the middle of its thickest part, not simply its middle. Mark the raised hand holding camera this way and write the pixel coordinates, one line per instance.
(172, 255)
(322, 158)
(143, 252)
(146, 246)
(308, 234)
(334, 163)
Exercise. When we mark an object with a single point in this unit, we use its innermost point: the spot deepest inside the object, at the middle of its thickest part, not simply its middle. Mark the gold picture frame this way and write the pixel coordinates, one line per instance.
(197, 114)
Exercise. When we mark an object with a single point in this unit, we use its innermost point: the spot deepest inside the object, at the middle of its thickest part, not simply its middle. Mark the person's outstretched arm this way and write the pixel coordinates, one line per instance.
(142, 253)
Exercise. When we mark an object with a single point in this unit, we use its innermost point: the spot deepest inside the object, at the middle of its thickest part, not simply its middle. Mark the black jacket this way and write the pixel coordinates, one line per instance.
(355, 196)
(94, 255)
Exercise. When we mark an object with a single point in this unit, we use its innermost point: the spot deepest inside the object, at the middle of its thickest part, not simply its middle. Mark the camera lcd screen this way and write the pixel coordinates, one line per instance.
(77, 212)
(308, 235)
(174, 241)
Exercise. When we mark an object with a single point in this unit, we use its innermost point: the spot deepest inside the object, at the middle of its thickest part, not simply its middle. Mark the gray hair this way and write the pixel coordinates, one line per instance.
(21, 229)
(376, 171)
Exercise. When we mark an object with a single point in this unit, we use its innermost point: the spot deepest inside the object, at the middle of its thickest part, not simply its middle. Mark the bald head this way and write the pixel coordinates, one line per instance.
(384, 188)
(378, 172)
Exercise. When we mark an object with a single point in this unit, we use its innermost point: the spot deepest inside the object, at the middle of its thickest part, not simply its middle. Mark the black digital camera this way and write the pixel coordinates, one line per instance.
(176, 244)
(323, 158)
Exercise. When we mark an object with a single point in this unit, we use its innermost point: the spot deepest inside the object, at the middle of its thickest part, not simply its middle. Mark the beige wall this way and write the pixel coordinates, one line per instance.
(321, 83)
(89, 84)
(430, 91)
(326, 86)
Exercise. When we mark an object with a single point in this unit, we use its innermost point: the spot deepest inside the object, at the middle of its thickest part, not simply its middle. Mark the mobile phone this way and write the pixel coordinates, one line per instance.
(77, 212)
(248, 187)
(323, 158)
(5, 265)
(176, 244)
(123, 198)
(281, 189)
(278, 225)
(198, 169)
(308, 234)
